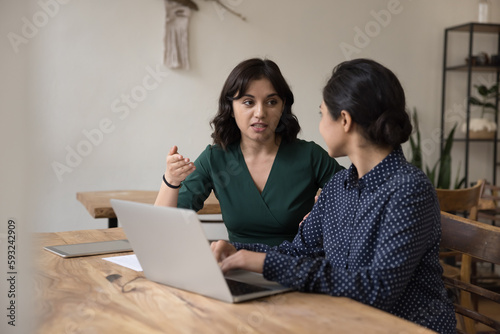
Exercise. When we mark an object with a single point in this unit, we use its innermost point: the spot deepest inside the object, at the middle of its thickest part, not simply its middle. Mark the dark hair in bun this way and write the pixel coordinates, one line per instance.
(374, 98)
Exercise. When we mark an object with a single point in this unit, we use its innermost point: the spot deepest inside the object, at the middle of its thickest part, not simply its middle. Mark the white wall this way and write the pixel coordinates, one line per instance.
(90, 53)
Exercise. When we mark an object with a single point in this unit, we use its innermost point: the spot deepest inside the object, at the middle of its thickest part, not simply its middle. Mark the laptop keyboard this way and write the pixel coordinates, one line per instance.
(239, 288)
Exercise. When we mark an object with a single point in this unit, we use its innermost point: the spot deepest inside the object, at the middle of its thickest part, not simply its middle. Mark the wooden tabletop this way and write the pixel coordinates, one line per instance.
(90, 295)
(98, 205)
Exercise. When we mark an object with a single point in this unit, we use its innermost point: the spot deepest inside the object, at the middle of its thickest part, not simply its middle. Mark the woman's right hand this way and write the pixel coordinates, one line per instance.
(228, 258)
(178, 167)
(222, 249)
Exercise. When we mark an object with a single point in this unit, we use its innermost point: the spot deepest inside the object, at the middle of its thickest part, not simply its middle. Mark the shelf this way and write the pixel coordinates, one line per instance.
(491, 28)
(481, 68)
(472, 30)
(474, 140)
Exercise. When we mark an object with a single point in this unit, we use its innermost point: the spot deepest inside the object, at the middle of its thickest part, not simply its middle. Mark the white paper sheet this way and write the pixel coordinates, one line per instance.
(128, 261)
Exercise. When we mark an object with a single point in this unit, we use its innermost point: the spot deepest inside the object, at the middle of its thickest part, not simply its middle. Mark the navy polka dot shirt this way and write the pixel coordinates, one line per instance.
(373, 239)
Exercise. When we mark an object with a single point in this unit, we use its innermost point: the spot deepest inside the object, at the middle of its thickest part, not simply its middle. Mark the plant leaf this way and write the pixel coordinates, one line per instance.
(482, 90)
(490, 105)
(416, 158)
(459, 183)
(431, 173)
(475, 101)
(449, 141)
(444, 174)
(493, 89)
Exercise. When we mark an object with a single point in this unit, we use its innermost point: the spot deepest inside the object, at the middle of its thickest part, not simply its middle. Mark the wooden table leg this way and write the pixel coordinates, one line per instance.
(112, 222)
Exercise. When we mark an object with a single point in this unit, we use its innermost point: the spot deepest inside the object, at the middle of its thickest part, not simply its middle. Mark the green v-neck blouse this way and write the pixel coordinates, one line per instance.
(299, 170)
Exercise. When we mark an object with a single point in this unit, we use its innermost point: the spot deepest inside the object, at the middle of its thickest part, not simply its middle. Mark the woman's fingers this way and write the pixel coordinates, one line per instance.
(222, 249)
(244, 259)
(181, 169)
(178, 167)
(173, 150)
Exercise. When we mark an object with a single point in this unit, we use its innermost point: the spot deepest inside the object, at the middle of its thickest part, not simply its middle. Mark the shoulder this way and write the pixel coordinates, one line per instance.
(213, 148)
(217, 150)
(216, 157)
(411, 182)
(338, 180)
(309, 153)
(408, 173)
(303, 143)
(395, 171)
(305, 146)
(412, 195)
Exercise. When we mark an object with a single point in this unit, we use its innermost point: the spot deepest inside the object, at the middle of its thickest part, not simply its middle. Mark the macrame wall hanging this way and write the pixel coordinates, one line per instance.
(178, 13)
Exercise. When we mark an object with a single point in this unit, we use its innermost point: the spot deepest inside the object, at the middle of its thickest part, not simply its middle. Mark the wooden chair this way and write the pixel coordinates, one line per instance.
(453, 201)
(489, 203)
(460, 200)
(471, 239)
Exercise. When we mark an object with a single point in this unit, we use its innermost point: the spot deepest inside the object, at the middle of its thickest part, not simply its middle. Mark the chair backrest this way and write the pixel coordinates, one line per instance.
(453, 200)
(488, 207)
(472, 239)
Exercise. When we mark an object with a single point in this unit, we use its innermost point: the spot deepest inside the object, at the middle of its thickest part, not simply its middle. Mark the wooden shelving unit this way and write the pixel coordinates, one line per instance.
(472, 29)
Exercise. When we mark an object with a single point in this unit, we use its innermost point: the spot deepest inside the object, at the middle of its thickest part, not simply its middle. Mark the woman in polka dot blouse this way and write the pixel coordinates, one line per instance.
(374, 232)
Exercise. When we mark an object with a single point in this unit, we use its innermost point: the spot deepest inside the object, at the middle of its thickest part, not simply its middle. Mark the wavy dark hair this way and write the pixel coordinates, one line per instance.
(374, 98)
(226, 130)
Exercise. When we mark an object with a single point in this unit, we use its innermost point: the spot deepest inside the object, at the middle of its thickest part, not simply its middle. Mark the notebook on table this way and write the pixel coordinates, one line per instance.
(172, 249)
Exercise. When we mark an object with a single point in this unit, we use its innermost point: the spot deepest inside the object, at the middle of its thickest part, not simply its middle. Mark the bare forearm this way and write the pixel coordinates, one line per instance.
(167, 196)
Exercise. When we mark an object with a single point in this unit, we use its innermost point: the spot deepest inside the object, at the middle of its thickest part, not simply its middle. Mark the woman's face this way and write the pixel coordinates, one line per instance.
(258, 112)
(332, 132)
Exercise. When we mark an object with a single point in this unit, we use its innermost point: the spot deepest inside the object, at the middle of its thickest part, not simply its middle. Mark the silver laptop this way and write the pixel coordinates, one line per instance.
(172, 249)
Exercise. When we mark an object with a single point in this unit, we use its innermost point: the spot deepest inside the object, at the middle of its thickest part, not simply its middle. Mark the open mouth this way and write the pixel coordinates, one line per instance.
(259, 127)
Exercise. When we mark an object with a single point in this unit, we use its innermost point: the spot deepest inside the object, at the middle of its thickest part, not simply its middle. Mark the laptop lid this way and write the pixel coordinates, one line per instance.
(172, 249)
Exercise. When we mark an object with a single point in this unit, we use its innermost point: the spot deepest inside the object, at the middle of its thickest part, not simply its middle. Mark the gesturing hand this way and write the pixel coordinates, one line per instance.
(178, 167)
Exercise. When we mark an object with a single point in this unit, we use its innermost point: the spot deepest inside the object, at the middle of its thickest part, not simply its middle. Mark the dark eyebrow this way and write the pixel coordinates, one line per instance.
(253, 97)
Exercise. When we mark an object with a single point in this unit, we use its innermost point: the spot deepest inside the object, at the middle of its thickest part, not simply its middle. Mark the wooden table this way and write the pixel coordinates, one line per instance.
(90, 295)
(98, 205)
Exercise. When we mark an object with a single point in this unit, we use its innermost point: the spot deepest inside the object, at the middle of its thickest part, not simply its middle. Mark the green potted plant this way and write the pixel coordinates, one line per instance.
(442, 167)
(482, 127)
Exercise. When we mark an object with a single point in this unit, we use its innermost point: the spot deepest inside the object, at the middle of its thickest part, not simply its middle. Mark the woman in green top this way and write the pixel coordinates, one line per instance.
(263, 176)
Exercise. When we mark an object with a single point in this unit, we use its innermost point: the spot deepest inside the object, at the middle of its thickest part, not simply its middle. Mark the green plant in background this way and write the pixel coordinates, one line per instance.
(442, 166)
(486, 94)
